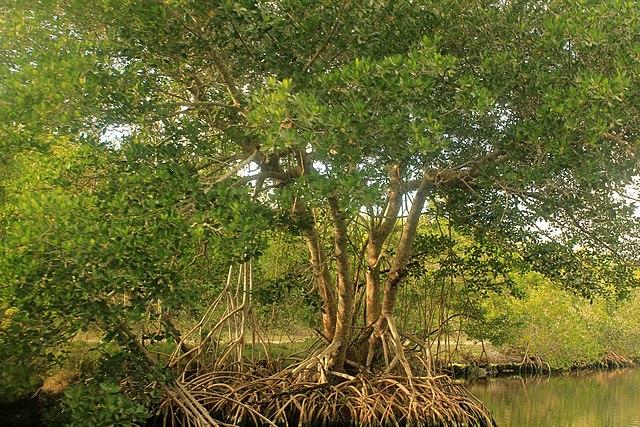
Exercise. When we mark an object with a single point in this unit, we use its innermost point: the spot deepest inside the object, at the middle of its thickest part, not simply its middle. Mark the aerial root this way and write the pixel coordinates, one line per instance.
(613, 360)
(285, 399)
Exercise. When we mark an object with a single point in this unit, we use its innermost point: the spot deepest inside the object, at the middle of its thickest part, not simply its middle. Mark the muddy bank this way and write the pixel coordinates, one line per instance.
(483, 369)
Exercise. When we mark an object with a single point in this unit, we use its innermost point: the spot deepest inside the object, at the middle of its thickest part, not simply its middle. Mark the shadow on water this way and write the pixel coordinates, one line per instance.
(26, 412)
(584, 399)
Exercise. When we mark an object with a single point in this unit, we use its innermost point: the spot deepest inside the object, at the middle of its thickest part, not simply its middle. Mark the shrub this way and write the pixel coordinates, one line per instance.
(99, 404)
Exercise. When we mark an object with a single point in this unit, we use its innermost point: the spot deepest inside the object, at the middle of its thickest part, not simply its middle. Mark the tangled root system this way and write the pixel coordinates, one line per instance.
(232, 398)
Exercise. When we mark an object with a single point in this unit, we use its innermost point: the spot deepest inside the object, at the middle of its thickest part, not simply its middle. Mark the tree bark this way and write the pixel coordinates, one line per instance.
(324, 283)
(399, 267)
(345, 287)
(378, 235)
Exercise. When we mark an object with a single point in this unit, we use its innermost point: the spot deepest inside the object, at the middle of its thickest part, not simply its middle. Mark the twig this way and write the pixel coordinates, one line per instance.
(334, 28)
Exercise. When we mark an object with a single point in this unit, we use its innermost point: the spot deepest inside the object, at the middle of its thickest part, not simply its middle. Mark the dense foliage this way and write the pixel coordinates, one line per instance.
(451, 146)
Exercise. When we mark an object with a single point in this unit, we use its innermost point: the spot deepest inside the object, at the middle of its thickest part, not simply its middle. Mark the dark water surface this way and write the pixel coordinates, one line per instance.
(591, 399)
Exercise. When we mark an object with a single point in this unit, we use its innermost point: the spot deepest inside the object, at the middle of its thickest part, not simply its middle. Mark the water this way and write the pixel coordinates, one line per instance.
(594, 399)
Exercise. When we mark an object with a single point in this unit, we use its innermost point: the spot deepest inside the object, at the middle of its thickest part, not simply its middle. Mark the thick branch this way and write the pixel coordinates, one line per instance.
(234, 170)
(461, 176)
(282, 178)
(399, 267)
(203, 104)
(236, 95)
(344, 282)
(377, 236)
(323, 281)
(393, 207)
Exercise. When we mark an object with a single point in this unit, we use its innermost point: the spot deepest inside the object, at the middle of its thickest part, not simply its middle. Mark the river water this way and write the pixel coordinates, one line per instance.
(589, 399)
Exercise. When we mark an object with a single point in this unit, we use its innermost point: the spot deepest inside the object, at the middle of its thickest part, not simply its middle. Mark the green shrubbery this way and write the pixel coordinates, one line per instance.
(560, 328)
(99, 404)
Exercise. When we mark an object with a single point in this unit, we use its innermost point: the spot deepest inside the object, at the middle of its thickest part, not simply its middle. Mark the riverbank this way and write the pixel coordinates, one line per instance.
(495, 364)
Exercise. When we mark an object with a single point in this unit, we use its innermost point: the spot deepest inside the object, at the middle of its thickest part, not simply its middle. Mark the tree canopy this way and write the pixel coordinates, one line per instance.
(215, 120)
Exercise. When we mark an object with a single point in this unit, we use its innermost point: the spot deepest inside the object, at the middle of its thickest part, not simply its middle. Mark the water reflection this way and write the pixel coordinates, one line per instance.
(594, 399)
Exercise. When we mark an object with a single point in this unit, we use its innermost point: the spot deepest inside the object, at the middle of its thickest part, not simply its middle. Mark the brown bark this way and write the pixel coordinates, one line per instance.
(324, 283)
(399, 267)
(345, 287)
(378, 235)
(372, 277)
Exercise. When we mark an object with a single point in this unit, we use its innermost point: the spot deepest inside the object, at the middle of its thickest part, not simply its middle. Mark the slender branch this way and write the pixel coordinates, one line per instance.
(175, 391)
(242, 41)
(334, 28)
(221, 67)
(204, 104)
(237, 167)
(460, 176)
(570, 214)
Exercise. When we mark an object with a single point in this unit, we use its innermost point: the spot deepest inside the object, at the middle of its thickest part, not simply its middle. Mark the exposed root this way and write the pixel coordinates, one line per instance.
(612, 360)
(285, 399)
(399, 350)
(321, 360)
(534, 364)
(218, 384)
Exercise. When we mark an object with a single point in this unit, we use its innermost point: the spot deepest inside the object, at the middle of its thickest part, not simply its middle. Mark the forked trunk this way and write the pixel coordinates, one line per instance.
(378, 235)
(399, 267)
